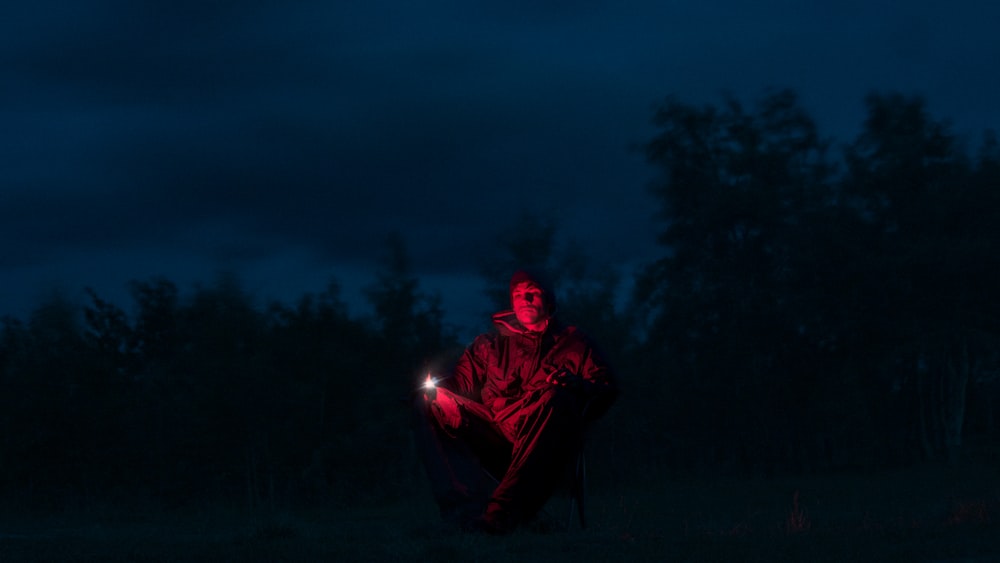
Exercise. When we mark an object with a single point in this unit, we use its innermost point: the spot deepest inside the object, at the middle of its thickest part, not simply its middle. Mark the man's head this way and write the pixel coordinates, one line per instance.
(532, 299)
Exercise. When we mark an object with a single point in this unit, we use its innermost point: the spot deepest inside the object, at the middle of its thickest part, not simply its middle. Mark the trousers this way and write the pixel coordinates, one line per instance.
(510, 461)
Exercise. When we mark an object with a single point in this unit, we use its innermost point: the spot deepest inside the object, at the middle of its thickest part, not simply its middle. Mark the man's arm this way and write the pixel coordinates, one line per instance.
(470, 371)
(593, 379)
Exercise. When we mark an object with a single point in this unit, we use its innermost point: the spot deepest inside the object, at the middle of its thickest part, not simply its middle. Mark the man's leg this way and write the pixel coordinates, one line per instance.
(546, 432)
(455, 438)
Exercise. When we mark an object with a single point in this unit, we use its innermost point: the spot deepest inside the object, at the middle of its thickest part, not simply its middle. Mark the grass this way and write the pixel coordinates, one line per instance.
(929, 514)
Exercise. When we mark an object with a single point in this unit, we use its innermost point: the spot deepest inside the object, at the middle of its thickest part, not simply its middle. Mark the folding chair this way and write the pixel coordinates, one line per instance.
(578, 490)
(578, 480)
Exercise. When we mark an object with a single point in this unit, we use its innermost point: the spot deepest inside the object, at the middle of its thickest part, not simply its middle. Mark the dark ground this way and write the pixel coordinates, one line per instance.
(925, 514)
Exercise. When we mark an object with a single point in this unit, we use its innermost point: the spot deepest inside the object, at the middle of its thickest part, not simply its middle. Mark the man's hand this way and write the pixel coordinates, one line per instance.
(569, 380)
(445, 409)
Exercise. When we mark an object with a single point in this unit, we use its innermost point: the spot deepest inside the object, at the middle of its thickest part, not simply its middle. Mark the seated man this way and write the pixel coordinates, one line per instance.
(516, 406)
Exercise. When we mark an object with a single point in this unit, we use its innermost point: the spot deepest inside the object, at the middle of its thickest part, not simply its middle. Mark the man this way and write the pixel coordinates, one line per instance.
(515, 407)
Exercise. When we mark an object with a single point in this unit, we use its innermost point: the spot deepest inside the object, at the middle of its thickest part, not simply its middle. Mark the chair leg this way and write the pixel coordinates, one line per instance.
(578, 492)
(582, 493)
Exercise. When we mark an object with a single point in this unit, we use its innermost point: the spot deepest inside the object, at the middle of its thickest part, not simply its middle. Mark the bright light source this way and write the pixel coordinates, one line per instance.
(429, 383)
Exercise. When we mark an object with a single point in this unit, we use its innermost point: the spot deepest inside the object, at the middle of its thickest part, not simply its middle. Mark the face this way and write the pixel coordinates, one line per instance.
(529, 305)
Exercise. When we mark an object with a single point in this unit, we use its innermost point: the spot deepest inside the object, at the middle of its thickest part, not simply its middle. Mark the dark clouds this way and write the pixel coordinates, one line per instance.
(285, 140)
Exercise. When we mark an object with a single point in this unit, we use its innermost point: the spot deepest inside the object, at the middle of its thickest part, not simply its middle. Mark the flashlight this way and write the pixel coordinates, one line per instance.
(430, 387)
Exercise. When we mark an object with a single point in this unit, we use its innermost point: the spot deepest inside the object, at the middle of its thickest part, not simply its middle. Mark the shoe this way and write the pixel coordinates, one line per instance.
(484, 525)
(544, 524)
(459, 515)
(495, 522)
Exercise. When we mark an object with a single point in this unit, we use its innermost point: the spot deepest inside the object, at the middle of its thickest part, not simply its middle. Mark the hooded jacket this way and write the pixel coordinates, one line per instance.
(501, 368)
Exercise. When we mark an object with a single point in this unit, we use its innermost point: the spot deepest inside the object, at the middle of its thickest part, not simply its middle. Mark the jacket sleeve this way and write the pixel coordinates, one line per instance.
(469, 374)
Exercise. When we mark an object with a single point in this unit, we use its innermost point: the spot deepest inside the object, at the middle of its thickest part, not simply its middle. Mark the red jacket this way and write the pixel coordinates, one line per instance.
(501, 367)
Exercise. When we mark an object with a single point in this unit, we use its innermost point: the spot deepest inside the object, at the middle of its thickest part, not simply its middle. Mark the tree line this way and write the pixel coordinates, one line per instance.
(825, 311)
(814, 308)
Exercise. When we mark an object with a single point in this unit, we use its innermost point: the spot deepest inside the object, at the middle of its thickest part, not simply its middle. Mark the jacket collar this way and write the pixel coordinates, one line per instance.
(508, 325)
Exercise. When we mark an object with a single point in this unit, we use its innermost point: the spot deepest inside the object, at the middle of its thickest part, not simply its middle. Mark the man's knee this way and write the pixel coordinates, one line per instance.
(563, 400)
(555, 409)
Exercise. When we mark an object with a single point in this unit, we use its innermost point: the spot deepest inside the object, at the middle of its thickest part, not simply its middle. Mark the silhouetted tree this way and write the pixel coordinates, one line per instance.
(934, 233)
(725, 316)
(410, 338)
(789, 295)
(17, 404)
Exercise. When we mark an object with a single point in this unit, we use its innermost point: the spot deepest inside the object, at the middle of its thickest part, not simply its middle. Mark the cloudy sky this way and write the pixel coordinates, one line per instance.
(284, 139)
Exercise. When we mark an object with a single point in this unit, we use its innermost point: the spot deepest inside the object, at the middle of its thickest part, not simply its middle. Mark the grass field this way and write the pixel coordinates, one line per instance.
(927, 514)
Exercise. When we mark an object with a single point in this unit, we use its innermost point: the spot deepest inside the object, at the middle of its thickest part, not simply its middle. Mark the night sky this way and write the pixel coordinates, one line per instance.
(284, 140)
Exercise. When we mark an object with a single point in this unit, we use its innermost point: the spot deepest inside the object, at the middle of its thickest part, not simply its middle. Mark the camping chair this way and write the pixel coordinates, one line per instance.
(578, 478)
(578, 488)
